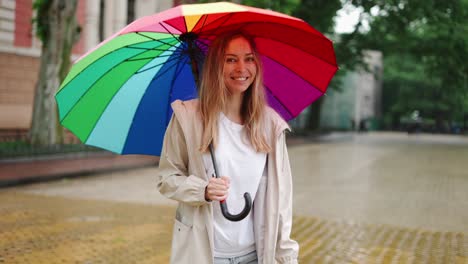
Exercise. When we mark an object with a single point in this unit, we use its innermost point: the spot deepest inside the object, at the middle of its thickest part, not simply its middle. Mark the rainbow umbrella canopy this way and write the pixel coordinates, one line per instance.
(118, 95)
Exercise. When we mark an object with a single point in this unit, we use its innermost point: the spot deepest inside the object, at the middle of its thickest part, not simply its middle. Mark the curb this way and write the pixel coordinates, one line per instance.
(26, 172)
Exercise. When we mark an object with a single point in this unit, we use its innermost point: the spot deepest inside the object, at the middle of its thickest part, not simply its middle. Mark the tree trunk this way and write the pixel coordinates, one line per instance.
(313, 119)
(61, 32)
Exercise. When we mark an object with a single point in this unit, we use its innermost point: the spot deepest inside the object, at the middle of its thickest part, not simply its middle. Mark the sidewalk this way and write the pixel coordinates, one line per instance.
(14, 172)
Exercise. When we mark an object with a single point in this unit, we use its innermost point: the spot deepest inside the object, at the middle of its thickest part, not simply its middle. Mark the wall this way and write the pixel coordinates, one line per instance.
(20, 50)
(359, 99)
(18, 75)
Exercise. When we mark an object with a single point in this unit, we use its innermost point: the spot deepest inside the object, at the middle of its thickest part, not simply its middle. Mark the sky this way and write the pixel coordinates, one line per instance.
(347, 19)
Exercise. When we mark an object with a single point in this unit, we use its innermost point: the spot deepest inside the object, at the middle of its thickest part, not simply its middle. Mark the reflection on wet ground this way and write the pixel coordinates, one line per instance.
(409, 181)
(40, 229)
(370, 198)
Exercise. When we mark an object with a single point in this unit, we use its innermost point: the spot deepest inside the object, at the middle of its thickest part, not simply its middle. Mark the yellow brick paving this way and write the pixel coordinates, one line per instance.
(41, 229)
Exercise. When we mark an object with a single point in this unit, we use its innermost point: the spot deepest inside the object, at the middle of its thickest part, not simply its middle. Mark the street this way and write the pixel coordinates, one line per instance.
(358, 198)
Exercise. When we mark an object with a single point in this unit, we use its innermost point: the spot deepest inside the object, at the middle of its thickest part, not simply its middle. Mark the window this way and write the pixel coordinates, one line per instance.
(102, 6)
(130, 11)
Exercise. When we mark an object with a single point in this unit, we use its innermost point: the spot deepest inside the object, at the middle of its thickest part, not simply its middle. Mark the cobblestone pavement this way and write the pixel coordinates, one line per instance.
(386, 199)
(415, 181)
(41, 229)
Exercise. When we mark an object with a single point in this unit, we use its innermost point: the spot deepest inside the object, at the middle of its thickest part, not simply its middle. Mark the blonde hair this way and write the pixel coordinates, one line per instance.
(214, 95)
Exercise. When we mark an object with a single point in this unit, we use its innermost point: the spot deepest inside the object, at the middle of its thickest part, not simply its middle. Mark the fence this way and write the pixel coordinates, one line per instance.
(16, 144)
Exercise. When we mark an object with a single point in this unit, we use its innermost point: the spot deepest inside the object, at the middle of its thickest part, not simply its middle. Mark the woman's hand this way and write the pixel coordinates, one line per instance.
(217, 189)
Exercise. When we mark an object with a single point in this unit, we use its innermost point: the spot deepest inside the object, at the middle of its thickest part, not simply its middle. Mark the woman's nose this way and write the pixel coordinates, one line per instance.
(240, 66)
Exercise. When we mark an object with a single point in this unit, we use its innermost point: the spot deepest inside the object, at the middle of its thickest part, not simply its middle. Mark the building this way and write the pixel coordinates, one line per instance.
(358, 105)
(20, 50)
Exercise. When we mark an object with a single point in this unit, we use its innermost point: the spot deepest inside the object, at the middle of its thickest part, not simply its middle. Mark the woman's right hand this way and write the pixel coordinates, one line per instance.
(217, 189)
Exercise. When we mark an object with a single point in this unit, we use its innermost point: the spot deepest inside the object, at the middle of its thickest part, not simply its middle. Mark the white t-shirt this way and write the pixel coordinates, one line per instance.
(237, 159)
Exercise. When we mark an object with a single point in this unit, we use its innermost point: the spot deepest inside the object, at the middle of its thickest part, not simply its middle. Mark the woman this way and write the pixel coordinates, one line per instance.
(249, 144)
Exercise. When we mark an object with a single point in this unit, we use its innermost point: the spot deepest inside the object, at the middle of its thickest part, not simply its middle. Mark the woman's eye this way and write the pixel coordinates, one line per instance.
(250, 59)
(230, 60)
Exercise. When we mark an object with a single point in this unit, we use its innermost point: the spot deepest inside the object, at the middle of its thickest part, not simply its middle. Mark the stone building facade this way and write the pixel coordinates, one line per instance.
(358, 105)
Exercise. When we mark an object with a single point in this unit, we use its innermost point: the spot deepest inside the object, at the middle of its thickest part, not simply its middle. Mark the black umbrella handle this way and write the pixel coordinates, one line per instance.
(224, 208)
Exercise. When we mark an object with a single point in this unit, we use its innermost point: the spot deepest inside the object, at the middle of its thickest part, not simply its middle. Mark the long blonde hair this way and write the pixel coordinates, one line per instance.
(214, 95)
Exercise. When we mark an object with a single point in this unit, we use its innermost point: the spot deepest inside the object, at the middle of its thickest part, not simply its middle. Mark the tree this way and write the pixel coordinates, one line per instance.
(319, 14)
(431, 36)
(283, 6)
(57, 28)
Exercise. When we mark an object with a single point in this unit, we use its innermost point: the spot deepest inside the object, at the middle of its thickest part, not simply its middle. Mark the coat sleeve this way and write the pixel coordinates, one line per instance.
(287, 250)
(173, 179)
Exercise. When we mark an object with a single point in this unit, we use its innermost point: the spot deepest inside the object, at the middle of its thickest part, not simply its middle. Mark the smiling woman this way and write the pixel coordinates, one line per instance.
(226, 88)
(240, 67)
(123, 94)
(230, 120)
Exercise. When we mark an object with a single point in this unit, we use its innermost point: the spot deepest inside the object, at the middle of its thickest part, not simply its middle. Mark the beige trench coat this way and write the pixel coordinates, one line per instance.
(183, 177)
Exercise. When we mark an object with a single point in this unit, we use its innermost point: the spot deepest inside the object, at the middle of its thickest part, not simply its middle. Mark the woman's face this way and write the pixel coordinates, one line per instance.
(240, 67)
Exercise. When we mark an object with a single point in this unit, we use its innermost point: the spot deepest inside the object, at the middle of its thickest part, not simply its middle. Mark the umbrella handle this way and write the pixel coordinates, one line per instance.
(241, 215)
(224, 208)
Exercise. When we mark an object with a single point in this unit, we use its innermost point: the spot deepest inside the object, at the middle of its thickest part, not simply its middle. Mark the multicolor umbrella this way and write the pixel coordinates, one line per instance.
(118, 95)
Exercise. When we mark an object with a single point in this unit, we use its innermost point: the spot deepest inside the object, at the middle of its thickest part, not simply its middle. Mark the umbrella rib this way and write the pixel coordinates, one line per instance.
(226, 18)
(202, 46)
(160, 23)
(157, 40)
(279, 101)
(155, 49)
(147, 58)
(202, 43)
(203, 24)
(178, 70)
(147, 49)
(157, 65)
(176, 51)
(199, 57)
(159, 74)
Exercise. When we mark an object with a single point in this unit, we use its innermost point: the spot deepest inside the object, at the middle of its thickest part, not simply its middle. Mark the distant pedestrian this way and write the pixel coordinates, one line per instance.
(249, 143)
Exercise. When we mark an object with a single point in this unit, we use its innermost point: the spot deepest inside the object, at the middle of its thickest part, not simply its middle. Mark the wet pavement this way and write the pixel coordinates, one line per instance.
(359, 198)
(415, 181)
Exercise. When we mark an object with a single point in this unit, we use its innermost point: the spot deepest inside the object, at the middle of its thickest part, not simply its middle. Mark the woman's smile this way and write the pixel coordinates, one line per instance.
(240, 67)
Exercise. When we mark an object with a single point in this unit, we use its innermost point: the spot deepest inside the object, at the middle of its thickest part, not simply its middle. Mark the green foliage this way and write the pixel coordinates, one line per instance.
(40, 21)
(24, 149)
(283, 6)
(319, 13)
(425, 48)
